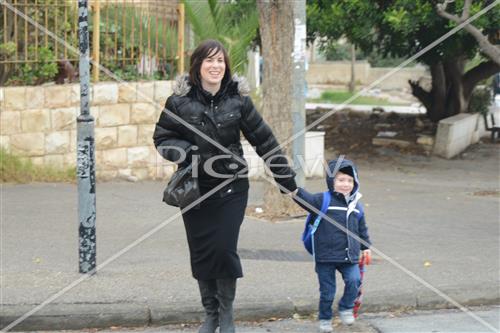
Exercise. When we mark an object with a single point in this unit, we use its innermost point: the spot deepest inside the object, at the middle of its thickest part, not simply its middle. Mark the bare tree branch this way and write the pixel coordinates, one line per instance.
(466, 10)
(490, 50)
(444, 4)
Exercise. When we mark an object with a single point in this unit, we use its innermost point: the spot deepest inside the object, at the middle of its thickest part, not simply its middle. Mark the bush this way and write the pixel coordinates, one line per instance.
(480, 100)
(37, 73)
(15, 170)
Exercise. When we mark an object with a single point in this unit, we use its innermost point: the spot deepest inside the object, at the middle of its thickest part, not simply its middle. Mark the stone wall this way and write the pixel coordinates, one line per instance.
(339, 73)
(39, 124)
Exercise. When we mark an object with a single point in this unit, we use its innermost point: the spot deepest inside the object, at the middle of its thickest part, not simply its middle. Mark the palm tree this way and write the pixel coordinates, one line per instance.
(235, 24)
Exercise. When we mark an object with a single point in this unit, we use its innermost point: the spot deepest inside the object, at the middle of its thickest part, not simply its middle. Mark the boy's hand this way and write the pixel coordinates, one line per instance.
(366, 257)
(292, 193)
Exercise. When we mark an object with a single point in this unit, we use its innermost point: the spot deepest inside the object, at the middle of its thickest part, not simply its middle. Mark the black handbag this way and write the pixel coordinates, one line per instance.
(182, 189)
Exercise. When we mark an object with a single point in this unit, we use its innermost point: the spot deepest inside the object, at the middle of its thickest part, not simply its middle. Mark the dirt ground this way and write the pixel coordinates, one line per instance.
(351, 132)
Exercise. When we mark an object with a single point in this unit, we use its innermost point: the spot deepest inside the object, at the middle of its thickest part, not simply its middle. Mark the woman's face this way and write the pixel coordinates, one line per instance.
(212, 69)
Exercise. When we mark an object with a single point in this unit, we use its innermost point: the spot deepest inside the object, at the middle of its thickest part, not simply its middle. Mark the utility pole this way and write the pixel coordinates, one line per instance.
(85, 153)
(352, 83)
(299, 89)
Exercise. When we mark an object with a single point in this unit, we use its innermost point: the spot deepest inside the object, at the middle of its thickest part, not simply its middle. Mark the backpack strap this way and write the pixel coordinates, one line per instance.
(324, 207)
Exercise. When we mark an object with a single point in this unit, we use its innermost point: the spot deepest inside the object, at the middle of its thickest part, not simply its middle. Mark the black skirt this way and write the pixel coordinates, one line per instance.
(212, 233)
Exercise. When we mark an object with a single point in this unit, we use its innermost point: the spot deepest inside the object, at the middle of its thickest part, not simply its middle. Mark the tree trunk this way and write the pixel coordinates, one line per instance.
(437, 110)
(277, 34)
(477, 74)
(451, 88)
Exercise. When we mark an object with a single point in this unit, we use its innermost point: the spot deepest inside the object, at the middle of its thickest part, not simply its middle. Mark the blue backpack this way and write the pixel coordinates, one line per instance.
(310, 228)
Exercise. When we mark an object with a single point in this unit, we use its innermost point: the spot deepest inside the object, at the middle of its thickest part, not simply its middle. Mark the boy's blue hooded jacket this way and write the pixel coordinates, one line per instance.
(330, 243)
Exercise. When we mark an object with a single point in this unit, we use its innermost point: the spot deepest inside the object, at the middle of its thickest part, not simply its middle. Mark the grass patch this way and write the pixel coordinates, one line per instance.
(16, 170)
(339, 97)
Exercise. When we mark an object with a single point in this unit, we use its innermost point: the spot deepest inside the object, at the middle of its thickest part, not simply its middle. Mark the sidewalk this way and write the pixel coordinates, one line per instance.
(437, 218)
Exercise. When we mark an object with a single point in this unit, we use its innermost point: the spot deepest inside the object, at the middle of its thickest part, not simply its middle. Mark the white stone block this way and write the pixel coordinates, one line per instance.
(63, 119)
(35, 97)
(14, 98)
(127, 92)
(126, 174)
(145, 134)
(455, 134)
(106, 175)
(114, 115)
(145, 92)
(115, 158)
(163, 89)
(70, 159)
(10, 122)
(75, 94)
(105, 93)
(314, 154)
(127, 136)
(57, 96)
(106, 137)
(73, 138)
(5, 143)
(143, 113)
(28, 144)
(57, 142)
(94, 112)
(55, 161)
(140, 173)
(138, 156)
(38, 160)
(35, 120)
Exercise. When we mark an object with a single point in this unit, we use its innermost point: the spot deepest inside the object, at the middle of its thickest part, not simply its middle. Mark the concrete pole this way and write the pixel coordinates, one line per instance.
(85, 153)
(299, 89)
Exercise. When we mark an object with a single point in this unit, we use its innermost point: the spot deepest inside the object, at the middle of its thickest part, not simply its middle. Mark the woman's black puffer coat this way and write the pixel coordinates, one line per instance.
(221, 118)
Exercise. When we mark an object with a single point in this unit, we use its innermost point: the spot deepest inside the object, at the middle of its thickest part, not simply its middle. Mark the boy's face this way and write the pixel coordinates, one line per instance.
(343, 183)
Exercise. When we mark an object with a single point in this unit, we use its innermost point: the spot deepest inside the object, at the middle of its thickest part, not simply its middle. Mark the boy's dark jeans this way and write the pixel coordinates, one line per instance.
(326, 275)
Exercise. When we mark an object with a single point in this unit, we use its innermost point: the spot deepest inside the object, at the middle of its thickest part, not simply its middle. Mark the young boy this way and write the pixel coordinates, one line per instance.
(335, 249)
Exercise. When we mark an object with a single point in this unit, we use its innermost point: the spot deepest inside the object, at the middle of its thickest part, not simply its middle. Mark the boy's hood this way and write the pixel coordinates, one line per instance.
(330, 175)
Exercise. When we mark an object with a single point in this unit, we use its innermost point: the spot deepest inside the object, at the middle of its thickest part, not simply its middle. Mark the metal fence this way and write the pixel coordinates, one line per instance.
(133, 38)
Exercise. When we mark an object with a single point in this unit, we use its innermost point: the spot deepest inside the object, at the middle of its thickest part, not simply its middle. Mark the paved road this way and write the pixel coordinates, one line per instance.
(437, 218)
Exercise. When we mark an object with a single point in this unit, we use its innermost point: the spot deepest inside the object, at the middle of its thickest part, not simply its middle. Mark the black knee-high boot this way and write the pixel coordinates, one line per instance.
(226, 291)
(208, 292)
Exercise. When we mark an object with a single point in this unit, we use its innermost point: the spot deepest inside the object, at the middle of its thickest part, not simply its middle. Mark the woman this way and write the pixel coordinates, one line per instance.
(217, 106)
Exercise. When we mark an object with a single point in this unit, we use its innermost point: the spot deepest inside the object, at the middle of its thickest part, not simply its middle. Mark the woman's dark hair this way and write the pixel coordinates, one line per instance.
(207, 48)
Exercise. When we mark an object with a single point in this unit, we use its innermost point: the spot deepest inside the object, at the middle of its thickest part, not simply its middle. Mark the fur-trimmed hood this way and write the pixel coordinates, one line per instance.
(182, 87)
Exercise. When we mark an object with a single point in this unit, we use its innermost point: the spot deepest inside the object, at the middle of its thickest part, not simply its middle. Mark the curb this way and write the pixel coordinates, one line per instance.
(98, 315)
(76, 316)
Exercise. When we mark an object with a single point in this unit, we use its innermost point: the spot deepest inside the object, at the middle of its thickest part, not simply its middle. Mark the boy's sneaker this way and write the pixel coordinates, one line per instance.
(325, 326)
(347, 317)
